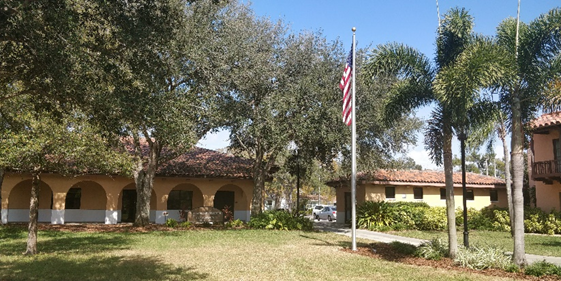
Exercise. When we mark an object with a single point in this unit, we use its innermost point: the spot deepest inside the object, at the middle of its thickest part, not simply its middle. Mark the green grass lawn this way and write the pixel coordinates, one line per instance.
(200, 255)
(536, 244)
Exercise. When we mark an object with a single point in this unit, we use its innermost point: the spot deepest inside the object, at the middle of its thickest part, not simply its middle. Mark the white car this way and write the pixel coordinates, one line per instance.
(316, 210)
(327, 213)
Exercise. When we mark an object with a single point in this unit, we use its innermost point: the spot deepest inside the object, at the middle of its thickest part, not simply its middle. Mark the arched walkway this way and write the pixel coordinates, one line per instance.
(232, 198)
(18, 202)
(85, 202)
(127, 204)
(183, 197)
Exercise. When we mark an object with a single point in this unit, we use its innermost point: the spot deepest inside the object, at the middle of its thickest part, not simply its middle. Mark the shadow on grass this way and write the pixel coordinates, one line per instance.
(546, 243)
(12, 232)
(95, 268)
(70, 244)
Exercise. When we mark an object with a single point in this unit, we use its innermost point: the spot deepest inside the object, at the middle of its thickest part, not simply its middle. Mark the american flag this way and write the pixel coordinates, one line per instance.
(345, 86)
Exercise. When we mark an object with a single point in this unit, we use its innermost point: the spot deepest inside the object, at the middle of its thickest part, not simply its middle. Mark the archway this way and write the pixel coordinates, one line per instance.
(85, 202)
(181, 198)
(127, 204)
(18, 202)
(231, 199)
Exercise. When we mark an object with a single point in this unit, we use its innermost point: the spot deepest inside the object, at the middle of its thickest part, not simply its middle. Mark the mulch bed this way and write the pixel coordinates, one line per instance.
(108, 228)
(387, 252)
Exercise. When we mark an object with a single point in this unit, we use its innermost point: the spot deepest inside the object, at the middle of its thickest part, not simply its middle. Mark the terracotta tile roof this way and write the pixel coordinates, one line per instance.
(205, 163)
(546, 120)
(426, 176)
(199, 162)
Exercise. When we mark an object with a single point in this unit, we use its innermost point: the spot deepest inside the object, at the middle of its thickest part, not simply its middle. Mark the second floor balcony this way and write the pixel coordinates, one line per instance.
(547, 171)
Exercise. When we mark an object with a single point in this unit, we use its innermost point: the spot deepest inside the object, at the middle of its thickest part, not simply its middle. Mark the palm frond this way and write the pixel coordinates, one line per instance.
(408, 73)
(434, 136)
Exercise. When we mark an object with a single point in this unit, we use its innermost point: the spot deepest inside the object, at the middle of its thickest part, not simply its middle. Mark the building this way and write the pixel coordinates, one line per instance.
(544, 157)
(198, 178)
(418, 186)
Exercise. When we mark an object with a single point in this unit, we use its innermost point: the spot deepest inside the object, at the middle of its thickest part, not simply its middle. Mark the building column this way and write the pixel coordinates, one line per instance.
(112, 213)
(59, 202)
(208, 198)
(4, 204)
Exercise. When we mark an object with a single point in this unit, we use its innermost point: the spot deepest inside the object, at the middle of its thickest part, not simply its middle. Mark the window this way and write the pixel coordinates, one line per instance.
(443, 194)
(556, 150)
(390, 192)
(180, 200)
(73, 197)
(469, 194)
(494, 195)
(418, 193)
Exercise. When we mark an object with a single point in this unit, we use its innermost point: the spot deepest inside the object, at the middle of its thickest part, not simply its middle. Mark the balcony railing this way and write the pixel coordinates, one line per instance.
(547, 170)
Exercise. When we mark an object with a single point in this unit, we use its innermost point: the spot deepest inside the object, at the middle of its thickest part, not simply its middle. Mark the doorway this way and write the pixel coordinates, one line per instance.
(223, 200)
(348, 206)
(128, 209)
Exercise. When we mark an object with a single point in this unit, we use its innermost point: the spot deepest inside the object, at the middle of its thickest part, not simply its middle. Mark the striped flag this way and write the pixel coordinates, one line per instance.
(345, 86)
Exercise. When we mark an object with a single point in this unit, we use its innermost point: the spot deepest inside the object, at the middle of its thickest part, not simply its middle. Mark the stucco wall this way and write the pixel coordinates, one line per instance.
(431, 195)
(101, 196)
(543, 145)
(548, 196)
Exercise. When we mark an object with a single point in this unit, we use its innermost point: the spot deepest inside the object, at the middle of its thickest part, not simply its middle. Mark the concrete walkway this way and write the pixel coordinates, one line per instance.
(388, 238)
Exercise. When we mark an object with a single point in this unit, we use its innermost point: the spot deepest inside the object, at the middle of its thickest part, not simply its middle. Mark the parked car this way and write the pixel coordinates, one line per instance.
(316, 210)
(327, 213)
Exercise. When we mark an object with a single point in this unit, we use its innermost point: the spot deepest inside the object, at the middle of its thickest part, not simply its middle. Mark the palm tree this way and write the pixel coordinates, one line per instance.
(535, 62)
(420, 83)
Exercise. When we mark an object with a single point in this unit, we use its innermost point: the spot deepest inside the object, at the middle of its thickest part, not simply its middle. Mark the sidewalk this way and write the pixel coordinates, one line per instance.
(388, 238)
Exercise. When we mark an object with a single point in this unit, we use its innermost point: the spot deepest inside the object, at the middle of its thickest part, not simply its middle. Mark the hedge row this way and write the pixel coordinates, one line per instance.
(281, 220)
(384, 216)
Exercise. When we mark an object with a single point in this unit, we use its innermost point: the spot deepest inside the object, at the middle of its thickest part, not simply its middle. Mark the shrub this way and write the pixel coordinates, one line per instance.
(383, 215)
(372, 214)
(512, 268)
(483, 257)
(235, 223)
(280, 220)
(404, 248)
(476, 219)
(501, 220)
(186, 224)
(432, 250)
(433, 219)
(542, 268)
(171, 223)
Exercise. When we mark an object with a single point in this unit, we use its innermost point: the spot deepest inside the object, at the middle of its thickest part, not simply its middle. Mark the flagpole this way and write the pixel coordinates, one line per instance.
(353, 178)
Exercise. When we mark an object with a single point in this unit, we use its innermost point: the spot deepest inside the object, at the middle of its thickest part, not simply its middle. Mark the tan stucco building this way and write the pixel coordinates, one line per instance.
(198, 178)
(544, 158)
(418, 186)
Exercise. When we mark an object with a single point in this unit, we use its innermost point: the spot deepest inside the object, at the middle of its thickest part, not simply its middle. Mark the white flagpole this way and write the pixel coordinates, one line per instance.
(353, 178)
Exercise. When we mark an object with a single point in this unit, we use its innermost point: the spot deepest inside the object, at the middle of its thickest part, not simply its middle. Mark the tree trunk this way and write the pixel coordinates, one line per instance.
(508, 179)
(1, 180)
(143, 194)
(449, 182)
(144, 180)
(33, 215)
(517, 139)
(259, 185)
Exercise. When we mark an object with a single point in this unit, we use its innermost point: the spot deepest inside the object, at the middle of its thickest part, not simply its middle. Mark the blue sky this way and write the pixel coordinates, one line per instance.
(412, 22)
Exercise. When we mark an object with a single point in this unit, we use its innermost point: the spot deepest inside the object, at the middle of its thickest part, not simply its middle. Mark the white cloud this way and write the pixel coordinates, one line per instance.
(215, 140)
(422, 158)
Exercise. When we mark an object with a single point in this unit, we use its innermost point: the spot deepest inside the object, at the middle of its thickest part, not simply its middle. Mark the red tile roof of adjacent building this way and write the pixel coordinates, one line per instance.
(206, 163)
(546, 120)
(198, 162)
(425, 176)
